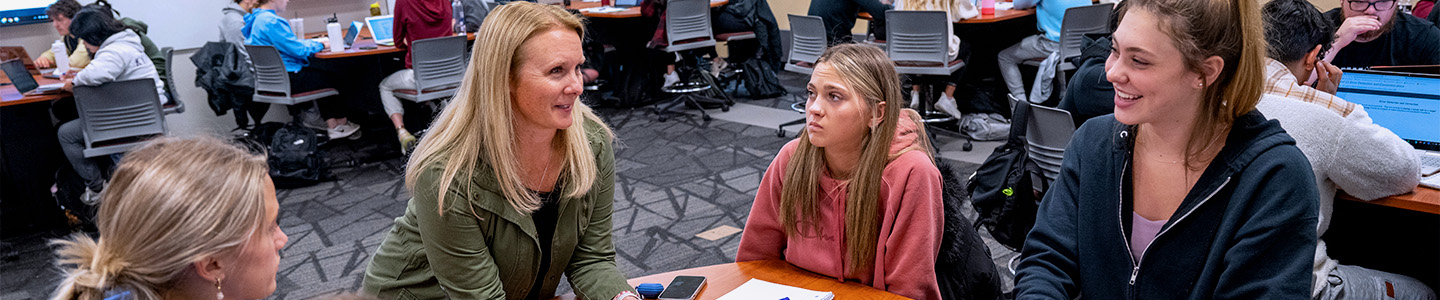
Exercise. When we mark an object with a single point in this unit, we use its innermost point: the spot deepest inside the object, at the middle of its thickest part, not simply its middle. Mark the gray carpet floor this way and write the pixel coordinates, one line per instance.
(673, 180)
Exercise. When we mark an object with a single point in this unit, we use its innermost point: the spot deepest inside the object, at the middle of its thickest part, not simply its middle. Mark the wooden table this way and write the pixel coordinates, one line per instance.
(9, 95)
(364, 45)
(721, 279)
(1422, 199)
(1000, 15)
(633, 12)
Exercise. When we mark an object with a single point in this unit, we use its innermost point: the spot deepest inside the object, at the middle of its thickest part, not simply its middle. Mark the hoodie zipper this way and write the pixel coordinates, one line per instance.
(1135, 270)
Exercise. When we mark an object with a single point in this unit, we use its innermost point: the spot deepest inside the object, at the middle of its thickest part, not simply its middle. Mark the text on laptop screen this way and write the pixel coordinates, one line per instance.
(1408, 105)
(380, 28)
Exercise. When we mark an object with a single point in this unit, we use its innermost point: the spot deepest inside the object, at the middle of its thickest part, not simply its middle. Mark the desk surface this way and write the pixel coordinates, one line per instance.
(11, 96)
(723, 278)
(1422, 199)
(633, 12)
(1000, 15)
(358, 48)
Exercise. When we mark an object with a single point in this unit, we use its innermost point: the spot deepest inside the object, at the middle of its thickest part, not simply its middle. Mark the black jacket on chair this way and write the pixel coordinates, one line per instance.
(963, 268)
(767, 32)
(223, 70)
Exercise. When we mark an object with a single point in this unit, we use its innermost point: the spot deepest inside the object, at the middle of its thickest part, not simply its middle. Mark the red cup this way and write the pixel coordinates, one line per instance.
(605, 3)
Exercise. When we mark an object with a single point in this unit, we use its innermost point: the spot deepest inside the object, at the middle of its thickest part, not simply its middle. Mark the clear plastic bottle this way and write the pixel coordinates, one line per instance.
(62, 57)
(458, 11)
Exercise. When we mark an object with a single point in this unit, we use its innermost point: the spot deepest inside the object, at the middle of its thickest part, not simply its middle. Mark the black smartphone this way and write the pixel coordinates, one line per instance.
(683, 288)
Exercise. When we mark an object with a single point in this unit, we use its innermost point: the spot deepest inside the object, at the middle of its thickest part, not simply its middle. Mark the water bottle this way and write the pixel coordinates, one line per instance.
(337, 39)
(457, 10)
(62, 57)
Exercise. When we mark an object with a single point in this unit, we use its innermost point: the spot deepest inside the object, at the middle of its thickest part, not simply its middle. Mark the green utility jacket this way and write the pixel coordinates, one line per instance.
(482, 248)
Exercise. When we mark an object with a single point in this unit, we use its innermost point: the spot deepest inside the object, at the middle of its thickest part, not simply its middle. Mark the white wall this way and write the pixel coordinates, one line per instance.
(198, 118)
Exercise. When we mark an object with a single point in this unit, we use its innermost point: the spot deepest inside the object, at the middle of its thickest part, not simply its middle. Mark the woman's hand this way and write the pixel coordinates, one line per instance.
(43, 63)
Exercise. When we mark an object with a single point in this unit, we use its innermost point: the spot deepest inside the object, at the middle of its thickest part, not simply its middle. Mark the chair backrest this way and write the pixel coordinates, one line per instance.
(119, 109)
(438, 62)
(687, 19)
(808, 38)
(169, 73)
(917, 36)
(270, 76)
(1047, 132)
(1079, 21)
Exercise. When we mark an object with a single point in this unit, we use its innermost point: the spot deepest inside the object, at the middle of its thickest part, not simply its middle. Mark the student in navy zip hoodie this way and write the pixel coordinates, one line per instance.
(1186, 192)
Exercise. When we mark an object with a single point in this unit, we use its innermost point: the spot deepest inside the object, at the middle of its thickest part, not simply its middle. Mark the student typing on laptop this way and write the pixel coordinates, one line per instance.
(263, 27)
(119, 57)
(1345, 148)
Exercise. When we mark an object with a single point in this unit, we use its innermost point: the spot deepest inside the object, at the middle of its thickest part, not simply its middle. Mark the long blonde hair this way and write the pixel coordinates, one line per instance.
(477, 127)
(171, 203)
(1229, 29)
(869, 71)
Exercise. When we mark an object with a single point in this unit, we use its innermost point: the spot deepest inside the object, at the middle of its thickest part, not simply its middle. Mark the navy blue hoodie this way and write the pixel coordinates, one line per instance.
(1245, 231)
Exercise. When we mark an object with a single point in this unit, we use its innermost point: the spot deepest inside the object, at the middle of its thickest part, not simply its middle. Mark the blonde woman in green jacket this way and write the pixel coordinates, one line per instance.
(513, 185)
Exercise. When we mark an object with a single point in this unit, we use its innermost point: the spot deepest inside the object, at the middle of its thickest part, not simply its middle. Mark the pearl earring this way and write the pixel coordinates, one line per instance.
(219, 294)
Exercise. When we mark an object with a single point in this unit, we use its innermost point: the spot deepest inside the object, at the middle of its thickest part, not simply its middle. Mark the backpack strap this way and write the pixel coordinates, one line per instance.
(1019, 120)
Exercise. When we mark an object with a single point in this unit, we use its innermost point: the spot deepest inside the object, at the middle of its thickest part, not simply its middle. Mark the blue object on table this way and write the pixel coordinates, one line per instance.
(650, 290)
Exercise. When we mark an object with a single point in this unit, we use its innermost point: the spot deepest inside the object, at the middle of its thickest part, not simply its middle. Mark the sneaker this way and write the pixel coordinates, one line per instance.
(717, 66)
(914, 100)
(343, 131)
(947, 105)
(671, 79)
(407, 141)
(90, 197)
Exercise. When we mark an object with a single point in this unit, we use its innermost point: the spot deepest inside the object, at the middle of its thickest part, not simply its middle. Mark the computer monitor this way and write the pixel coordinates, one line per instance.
(380, 28)
(627, 3)
(1406, 103)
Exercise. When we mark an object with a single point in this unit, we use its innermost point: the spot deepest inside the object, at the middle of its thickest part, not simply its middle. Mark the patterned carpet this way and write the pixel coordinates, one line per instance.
(674, 179)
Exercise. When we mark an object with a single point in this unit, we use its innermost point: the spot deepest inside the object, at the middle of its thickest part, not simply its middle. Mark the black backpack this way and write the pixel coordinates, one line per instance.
(295, 158)
(1001, 190)
(963, 268)
(760, 79)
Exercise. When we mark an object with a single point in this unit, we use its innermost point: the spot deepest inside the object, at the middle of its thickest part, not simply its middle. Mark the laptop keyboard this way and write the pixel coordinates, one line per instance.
(1429, 163)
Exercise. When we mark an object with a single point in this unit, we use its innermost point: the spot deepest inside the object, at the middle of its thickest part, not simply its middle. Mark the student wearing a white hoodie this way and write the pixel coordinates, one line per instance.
(1345, 148)
(119, 56)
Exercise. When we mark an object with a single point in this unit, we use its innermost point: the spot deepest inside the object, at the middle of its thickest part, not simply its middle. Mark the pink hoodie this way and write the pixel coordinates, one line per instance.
(910, 229)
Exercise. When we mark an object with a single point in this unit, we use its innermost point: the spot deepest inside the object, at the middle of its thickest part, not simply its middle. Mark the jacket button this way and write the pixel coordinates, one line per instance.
(1124, 134)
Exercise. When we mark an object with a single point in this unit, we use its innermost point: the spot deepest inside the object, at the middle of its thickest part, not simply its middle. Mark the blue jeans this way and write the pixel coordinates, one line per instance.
(1351, 282)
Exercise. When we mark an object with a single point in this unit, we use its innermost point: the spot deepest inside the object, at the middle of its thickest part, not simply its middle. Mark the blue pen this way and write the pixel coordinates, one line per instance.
(786, 298)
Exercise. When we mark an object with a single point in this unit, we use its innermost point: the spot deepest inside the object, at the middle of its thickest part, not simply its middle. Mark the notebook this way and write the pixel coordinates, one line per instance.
(1406, 103)
(760, 289)
(20, 77)
(380, 29)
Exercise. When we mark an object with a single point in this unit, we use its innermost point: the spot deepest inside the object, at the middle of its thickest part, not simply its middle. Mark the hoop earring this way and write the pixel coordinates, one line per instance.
(219, 294)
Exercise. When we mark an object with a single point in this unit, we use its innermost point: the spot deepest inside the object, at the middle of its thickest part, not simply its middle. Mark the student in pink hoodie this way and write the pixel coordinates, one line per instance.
(857, 196)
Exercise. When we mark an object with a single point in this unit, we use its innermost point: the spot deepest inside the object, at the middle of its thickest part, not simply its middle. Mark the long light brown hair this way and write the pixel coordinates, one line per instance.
(170, 204)
(867, 70)
(477, 127)
(1229, 29)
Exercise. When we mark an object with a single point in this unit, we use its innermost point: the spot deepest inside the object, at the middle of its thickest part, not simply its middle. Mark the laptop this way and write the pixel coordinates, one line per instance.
(1407, 104)
(1423, 69)
(21, 78)
(626, 3)
(355, 27)
(380, 29)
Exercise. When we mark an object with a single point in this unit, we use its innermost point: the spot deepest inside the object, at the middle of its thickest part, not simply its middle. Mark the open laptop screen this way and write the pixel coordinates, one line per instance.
(380, 28)
(19, 76)
(1406, 103)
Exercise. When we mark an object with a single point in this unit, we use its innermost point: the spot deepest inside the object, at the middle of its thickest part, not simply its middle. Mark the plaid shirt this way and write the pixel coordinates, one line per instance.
(1279, 82)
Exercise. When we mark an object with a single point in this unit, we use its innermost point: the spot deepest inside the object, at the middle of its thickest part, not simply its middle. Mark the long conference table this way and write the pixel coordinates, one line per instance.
(722, 278)
(11, 96)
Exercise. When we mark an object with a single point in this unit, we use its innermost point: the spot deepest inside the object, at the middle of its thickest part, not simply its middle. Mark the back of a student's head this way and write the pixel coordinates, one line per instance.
(1293, 29)
(173, 207)
(94, 24)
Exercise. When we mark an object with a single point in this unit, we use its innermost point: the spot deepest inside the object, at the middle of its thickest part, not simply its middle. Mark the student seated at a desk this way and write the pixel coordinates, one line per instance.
(1049, 14)
(118, 57)
(1345, 149)
(955, 10)
(184, 219)
(1185, 192)
(60, 14)
(263, 27)
(857, 196)
(414, 20)
(1374, 33)
(839, 15)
